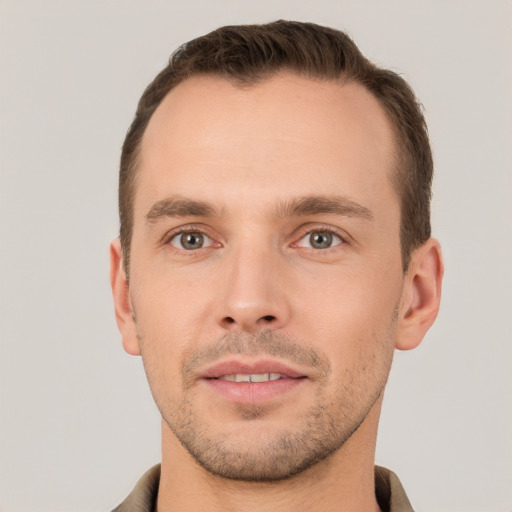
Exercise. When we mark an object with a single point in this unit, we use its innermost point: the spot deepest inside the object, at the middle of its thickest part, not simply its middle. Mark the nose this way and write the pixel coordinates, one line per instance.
(253, 296)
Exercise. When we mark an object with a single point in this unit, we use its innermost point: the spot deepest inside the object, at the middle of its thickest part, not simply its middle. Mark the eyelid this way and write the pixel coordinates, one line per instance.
(190, 228)
(302, 232)
(306, 230)
(208, 242)
(303, 242)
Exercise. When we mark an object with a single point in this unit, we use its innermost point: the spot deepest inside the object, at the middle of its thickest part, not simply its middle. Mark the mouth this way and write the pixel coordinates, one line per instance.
(253, 377)
(252, 382)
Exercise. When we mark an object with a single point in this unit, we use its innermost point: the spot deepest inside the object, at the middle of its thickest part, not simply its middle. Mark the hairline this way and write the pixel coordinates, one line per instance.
(400, 153)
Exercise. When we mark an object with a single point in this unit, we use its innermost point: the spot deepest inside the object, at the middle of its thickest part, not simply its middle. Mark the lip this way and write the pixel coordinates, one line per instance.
(248, 367)
(252, 393)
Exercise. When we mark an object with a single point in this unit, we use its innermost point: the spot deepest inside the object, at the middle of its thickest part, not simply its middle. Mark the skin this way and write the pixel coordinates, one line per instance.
(231, 167)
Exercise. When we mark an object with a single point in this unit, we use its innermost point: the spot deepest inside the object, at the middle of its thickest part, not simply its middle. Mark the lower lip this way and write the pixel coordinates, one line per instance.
(253, 392)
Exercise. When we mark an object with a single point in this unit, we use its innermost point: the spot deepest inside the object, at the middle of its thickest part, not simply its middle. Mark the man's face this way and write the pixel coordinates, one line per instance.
(265, 248)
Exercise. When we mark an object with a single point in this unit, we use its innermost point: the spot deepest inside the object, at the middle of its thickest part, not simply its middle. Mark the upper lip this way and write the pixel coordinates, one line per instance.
(233, 367)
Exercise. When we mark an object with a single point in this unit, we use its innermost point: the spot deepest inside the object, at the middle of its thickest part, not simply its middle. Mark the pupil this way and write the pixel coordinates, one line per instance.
(192, 240)
(321, 240)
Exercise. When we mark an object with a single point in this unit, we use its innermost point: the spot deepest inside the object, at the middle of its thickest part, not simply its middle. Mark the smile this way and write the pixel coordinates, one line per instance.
(252, 382)
(253, 377)
(247, 370)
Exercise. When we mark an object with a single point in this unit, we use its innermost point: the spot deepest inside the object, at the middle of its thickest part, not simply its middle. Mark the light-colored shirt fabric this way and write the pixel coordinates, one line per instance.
(390, 494)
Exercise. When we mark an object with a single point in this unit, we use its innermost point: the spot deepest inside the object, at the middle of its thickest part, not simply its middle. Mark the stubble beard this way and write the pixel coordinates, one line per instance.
(281, 454)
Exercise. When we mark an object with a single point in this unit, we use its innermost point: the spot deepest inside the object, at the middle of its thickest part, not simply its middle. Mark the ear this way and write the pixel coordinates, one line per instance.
(421, 295)
(122, 302)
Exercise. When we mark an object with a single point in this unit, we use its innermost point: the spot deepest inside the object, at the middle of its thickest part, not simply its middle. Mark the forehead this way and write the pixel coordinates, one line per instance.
(284, 135)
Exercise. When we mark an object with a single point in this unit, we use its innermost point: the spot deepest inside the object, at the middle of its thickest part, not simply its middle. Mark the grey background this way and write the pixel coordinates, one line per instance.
(78, 425)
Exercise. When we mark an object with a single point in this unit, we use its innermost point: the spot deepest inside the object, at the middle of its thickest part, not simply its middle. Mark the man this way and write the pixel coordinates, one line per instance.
(274, 251)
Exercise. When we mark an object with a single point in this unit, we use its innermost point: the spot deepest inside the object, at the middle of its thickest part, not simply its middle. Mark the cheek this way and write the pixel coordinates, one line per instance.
(348, 295)
(166, 300)
(351, 315)
(171, 314)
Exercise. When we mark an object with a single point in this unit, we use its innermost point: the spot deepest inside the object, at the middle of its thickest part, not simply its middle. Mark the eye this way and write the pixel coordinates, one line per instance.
(319, 240)
(191, 241)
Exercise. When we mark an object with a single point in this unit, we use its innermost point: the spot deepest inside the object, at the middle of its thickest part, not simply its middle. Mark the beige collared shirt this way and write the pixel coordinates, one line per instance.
(388, 489)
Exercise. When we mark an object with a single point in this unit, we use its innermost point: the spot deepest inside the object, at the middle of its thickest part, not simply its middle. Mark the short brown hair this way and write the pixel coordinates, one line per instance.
(247, 54)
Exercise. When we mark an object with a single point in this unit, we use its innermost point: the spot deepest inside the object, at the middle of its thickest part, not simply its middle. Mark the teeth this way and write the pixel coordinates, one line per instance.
(253, 377)
(231, 378)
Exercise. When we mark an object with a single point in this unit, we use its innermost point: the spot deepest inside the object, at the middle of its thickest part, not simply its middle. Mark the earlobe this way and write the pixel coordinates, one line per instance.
(122, 303)
(421, 295)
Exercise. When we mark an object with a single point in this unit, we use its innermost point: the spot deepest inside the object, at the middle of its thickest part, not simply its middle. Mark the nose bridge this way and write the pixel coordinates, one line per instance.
(252, 297)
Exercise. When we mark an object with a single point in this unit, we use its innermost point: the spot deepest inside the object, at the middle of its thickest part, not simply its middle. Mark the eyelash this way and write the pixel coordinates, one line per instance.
(168, 237)
(306, 231)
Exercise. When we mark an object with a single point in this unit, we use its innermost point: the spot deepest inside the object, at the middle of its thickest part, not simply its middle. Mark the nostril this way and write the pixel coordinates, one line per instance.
(265, 322)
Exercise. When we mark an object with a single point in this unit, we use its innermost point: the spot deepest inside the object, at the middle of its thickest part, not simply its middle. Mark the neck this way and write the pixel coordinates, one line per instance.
(343, 482)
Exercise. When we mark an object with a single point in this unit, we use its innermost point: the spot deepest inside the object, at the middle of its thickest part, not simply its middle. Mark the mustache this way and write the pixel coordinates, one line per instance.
(267, 343)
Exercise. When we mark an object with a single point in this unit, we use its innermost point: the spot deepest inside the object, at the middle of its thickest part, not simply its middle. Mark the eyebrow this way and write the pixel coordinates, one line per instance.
(314, 205)
(177, 206)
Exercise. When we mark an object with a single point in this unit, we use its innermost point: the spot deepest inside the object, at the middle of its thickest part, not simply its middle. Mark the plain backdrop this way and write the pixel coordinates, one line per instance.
(78, 425)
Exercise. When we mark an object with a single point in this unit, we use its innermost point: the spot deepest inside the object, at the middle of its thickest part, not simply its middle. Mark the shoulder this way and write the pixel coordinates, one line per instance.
(390, 493)
(144, 494)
